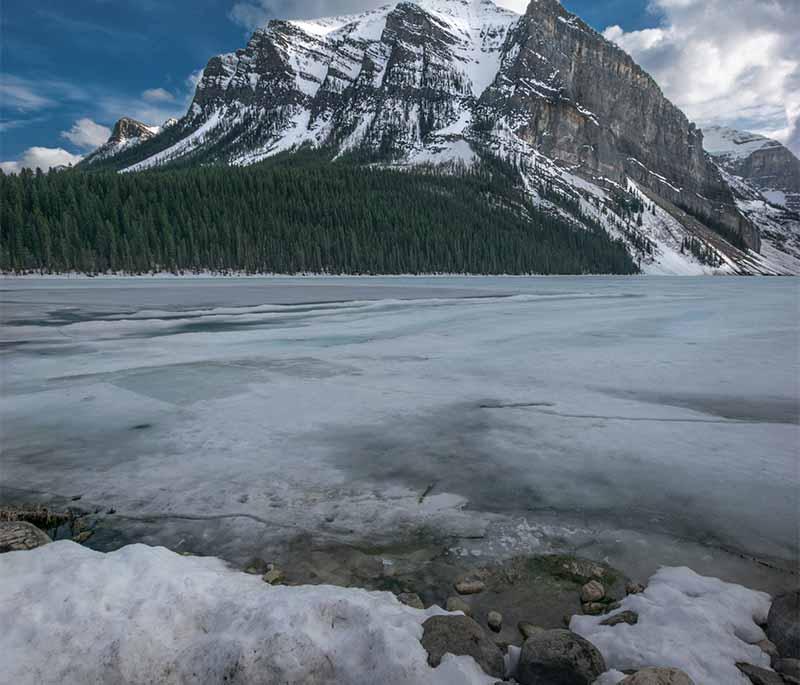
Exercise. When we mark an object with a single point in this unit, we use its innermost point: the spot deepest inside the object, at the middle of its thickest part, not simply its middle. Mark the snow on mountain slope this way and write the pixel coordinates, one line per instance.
(765, 179)
(722, 141)
(453, 82)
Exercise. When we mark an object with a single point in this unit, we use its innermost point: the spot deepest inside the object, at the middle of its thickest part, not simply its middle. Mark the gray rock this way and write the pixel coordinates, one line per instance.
(469, 587)
(559, 657)
(458, 604)
(788, 667)
(495, 621)
(758, 675)
(592, 591)
(658, 676)
(783, 624)
(769, 648)
(528, 629)
(627, 616)
(411, 599)
(634, 588)
(17, 536)
(461, 635)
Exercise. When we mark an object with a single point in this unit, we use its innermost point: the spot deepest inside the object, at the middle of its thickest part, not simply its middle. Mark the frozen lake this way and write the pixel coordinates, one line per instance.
(640, 420)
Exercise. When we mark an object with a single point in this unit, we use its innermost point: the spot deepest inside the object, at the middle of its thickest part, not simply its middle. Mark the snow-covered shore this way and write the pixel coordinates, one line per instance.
(146, 614)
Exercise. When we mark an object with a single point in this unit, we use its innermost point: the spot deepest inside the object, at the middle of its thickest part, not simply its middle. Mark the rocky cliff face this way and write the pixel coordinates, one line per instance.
(765, 179)
(126, 133)
(762, 162)
(455, 81)
(580, 99)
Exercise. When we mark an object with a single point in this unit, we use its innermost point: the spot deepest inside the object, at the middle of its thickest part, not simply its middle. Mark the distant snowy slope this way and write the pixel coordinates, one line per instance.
(765, 179)
(721, 141)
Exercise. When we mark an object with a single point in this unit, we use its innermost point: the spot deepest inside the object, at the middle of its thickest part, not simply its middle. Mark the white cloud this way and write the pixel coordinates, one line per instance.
(734, 62)
(87, 134)
(42, 158)
(19, 95)
(158, 95)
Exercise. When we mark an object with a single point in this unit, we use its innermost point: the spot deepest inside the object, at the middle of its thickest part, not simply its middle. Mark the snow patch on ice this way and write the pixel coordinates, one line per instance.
(699, 624)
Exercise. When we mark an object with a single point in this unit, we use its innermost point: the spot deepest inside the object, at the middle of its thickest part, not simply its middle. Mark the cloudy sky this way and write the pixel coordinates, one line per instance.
(70, 69)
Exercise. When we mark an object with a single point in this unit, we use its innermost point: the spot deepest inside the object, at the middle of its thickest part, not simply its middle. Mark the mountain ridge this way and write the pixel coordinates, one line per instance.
(453, 81)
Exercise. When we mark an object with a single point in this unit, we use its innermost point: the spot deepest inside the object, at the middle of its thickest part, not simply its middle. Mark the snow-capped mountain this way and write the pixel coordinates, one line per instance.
(126, 133)
(589, 133)
(764, 163)
(765, 178)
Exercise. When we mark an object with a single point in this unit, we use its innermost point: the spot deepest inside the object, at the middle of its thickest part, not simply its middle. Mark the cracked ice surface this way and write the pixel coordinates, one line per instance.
(647, 421)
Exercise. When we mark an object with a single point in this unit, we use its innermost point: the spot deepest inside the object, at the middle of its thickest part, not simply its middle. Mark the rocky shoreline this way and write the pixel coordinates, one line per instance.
(516, 618)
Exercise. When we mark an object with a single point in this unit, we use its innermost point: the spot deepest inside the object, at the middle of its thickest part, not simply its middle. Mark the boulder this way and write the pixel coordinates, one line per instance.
(458, 604)
(495, 621)
(461, 635)
(657, 676)
(559, 657)
(16, 536)
(788, 667)
(627, 616)
(593, 591)
(758, 675)
(783, 624)
(634, 588)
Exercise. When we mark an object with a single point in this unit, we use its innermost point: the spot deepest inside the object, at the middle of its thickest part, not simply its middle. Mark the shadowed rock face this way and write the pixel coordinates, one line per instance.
(580, 99)
(127, 128)
(764, 163)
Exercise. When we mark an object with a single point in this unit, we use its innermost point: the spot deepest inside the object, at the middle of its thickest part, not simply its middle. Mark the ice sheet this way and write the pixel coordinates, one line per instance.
(539, 409)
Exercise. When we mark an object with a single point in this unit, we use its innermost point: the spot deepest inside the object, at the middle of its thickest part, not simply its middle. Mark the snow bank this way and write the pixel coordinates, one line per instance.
(145, 614)
(699, 624)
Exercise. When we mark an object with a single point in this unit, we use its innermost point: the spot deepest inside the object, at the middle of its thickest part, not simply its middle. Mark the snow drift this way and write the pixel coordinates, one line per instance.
(145, 614)
(698, 624)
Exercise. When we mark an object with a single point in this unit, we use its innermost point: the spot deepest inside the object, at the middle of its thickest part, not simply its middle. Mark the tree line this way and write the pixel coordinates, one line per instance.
(291, 217)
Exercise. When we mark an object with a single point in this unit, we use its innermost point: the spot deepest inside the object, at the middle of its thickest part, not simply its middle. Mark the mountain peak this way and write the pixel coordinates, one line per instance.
(455, 82)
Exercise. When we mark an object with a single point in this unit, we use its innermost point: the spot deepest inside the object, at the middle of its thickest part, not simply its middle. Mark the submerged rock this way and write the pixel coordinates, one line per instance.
(495, 621)
(559, 657)
(594, 608)
(461, 635)
(627, 616)
(783, 624)
(274, 575)
(592, 591)
(458, 604)
(82, 537)
(529, 629)
(16, 536)
(469, 587)
(411, 599)
(658, 676)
